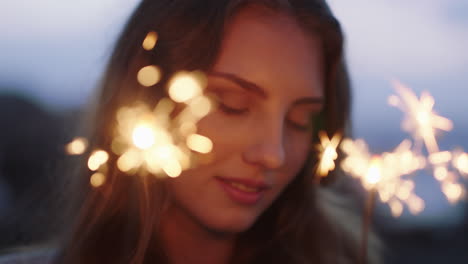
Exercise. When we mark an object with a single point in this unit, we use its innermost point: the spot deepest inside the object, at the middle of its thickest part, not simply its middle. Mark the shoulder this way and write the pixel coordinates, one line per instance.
(341, 212)
(26, 257)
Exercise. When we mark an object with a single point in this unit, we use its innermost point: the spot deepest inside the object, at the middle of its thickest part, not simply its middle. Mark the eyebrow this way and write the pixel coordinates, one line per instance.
(252, 87)
(248, 85)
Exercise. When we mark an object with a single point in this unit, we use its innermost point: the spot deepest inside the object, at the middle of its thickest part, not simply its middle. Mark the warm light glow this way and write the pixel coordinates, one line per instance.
(77, 146)
(149, 75)
(97, 158)
(200, 106)
(384, 174)
(420, 119)
(452, 191)
(327, 153)
(415, 204)
(150, 40)
(187, 128)
(374, 172)
(396, 208)
(158, 141)
(440, 173)
(391, 178)
(143, 136)
(129, 160)
(461, 163)
(97, 179)
(405, 190)
(199, 143)
(440, 157)
(172, 168)
(184, 86)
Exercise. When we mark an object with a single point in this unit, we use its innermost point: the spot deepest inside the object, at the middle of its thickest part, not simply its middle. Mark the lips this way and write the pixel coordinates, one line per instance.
(243, 191)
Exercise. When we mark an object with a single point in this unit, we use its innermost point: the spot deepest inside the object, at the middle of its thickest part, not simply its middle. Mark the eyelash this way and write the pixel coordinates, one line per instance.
(233, 111)
(299, 127)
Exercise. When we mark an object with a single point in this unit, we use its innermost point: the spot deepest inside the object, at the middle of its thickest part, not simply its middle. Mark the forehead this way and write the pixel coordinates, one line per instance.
(273, 51)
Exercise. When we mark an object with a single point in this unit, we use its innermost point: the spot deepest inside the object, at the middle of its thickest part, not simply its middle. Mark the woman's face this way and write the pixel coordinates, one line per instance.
(269, 80)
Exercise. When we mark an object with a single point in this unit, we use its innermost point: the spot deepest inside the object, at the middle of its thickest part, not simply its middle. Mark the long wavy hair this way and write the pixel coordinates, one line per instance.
(119, 222)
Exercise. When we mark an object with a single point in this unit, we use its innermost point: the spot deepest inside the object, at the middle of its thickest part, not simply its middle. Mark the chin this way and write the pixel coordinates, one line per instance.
(231, 225)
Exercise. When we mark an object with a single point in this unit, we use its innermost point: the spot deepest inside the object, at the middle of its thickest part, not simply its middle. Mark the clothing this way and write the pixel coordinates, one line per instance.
(28, 257)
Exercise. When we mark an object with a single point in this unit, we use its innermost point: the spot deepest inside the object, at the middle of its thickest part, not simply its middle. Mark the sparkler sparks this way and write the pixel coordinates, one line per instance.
(150, 40)
(385, 174)
(77, 146)
(149, 75)
(97, 159)
(327, 153)
(97, 179)
(154, 142)
(157, 141)
(389, 174)
(420, 120)
(460, 162)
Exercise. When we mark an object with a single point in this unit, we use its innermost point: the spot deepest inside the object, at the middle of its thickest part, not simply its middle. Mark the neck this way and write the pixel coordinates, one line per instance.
(186, 241)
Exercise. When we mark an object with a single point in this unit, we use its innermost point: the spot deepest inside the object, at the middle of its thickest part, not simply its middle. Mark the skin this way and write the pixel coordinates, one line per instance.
(268, 79)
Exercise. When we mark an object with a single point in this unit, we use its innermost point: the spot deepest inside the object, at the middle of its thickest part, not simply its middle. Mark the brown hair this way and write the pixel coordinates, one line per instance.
(116, 223)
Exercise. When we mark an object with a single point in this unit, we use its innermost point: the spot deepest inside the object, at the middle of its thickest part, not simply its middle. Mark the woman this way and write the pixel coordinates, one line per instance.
(272, 65)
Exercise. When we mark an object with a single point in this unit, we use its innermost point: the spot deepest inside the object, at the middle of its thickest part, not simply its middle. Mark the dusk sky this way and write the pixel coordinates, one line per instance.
(55, 50)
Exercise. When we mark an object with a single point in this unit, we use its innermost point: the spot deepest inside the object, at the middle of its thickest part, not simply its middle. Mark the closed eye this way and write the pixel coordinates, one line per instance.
(231, 102)
(232, 110)
(301, 116)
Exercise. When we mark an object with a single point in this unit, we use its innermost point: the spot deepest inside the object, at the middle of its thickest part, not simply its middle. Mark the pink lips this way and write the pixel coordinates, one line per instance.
(243, 196)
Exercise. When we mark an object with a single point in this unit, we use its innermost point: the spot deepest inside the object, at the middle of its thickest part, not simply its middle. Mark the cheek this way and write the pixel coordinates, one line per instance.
(297, 150)
(228, 136)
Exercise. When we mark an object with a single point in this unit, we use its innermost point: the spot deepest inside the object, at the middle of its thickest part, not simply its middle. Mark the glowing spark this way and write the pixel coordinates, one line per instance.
(158, 141)
(150, 40)
(420, 119)
(200, 106)
(460, 162)
(185, 86)
(199, 143)
(440, 173)
(385, 173)
(396, 208)
(172, 168)
(374, 172)
(131, 159)
(327, 153)
(77, 146)
(97, 179)
(149, 75)
(440, 157)
(452, 191)
(415, 204)
(143, 136)
(97, 159)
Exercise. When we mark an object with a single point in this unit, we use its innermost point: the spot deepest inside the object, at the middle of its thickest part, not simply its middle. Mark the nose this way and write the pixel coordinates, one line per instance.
(266, 148)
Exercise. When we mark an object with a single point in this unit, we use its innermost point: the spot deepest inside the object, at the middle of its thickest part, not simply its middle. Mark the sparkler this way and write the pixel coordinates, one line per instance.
(154, 140)
(384, 174)
(327, 153)
(420, 120)
(151, 141)
(389, 174)
(77, 146)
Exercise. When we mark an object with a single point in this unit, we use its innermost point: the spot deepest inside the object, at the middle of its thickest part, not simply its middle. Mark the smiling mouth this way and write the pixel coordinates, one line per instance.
(243, 187)
(243, 191)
